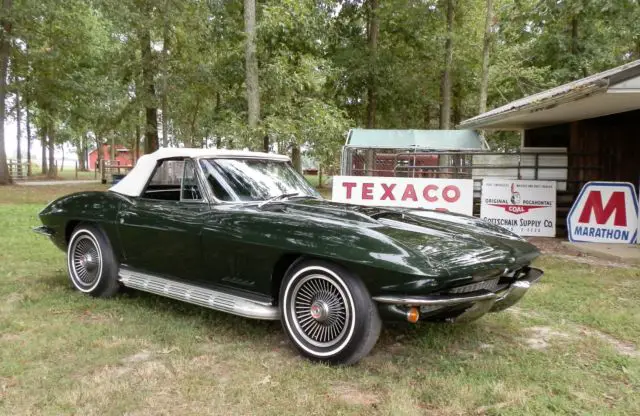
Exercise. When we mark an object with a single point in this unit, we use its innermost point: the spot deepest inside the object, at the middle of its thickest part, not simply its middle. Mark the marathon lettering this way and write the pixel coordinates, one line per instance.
(601, 233)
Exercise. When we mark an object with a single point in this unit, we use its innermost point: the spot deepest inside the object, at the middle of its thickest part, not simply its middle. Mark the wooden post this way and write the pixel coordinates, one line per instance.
(369, 164)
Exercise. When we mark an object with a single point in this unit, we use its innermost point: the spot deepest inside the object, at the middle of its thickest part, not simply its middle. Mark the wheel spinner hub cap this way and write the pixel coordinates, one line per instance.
(319, 310)
(89, 262)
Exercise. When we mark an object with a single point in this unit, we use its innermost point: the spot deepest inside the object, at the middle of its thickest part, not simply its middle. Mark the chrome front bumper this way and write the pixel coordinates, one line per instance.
(478, 303)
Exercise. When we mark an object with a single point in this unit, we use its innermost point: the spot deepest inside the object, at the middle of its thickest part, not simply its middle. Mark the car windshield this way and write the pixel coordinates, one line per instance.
(254, 179)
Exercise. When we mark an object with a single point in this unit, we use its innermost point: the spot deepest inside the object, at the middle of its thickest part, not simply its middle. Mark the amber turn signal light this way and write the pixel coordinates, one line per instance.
(413, 315)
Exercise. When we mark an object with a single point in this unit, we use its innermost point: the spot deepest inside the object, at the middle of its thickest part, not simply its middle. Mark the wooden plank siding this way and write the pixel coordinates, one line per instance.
(604, 148)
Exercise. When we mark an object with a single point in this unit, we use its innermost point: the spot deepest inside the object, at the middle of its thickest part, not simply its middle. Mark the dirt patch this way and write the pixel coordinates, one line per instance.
(106, 374)
(11, 302)
(138, 357)
(10, 338)
(355, 395)
(554, 247)
(96, 318)
(540, 337)
(517, 311)
(622, 347)
(593, 261)
(6, 383)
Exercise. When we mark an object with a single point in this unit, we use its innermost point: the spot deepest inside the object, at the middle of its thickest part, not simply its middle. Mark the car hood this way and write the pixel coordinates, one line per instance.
(446, 240)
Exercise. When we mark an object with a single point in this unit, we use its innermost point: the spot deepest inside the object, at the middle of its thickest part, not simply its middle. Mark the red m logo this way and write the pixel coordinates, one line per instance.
(615, 204)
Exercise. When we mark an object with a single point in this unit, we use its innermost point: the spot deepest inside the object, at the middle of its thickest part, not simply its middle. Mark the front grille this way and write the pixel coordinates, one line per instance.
(490, 285)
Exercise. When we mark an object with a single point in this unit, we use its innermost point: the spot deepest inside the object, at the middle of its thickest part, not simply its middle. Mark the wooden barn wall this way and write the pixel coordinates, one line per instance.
(604, 148)
(614, 145)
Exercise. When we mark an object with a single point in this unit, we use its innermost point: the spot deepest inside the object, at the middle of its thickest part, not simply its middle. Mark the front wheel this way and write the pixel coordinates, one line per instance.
(91, 264)
(328, 313)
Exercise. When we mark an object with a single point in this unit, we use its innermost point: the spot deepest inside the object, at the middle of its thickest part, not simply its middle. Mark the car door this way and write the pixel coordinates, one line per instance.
(233, 238)
(161, 231)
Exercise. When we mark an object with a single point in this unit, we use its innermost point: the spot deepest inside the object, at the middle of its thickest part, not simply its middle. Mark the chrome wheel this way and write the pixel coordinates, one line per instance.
(85, 261)
(319, 310)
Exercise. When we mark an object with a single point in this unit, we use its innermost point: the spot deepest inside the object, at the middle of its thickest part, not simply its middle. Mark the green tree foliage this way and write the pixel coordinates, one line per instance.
(132, 71)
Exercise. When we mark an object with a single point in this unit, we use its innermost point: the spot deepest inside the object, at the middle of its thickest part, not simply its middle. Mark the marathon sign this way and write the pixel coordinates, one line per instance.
(527, 208)
(604, 212)
(454, 195)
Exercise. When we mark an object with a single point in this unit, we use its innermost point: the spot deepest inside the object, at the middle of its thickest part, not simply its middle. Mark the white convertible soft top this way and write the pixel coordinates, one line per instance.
(134, 182)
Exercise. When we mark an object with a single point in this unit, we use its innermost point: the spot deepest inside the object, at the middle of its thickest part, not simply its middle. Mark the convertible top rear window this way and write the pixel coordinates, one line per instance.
(253, 179)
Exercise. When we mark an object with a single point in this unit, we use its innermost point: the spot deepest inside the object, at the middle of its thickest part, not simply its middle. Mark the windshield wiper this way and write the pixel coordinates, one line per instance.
(277, 198)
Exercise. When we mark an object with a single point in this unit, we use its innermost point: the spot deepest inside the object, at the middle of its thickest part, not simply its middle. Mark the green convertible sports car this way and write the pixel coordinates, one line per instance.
(244, 233)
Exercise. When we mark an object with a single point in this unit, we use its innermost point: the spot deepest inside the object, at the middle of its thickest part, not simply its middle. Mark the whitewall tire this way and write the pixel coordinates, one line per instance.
(328, 313)
(91, 265)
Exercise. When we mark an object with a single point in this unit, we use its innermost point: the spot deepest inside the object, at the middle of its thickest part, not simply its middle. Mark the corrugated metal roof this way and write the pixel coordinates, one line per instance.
(415, 139)
(571, 91)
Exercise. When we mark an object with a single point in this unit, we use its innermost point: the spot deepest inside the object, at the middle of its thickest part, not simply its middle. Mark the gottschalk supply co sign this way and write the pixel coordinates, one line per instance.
(454, 195)
(527, 208)
(604, 212)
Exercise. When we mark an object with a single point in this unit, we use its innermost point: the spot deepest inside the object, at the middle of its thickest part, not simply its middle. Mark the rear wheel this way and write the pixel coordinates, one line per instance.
(328, 313)
(91, 264)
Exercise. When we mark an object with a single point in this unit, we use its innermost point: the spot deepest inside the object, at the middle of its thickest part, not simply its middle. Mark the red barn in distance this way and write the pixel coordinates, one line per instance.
(124, 156)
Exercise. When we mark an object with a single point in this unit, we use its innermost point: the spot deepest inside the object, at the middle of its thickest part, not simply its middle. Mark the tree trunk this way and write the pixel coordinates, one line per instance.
(18, 132)
(165, 49)
(445, 100)
(79, 153)
(165, 125)
(486, 47)
(296, 160)
(151, 126)
(372, 34)
(427, 116)
(265, 143)
(574, 35)
(43, 146)
(5, 177)
(28, 125)
(98, 153)
(85, 153)
(192, 136)
(62, 164)
(575, 47)
(136, 154)
(457, 102)
(251, 69)
(51, 173)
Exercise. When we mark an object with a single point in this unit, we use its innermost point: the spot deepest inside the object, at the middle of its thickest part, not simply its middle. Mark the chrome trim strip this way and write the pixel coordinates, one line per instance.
(44, 230)
(196, 295)
(438, 300)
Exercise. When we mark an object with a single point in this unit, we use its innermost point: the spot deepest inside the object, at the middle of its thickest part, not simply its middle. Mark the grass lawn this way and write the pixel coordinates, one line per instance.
(570, 347)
